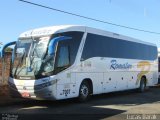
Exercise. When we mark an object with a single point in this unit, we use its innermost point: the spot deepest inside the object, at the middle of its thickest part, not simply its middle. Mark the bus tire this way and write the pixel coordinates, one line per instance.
(84, 92)
(142, 86)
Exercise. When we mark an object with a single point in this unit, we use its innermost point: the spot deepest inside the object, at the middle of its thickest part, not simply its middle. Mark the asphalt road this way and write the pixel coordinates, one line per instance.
(128, 105)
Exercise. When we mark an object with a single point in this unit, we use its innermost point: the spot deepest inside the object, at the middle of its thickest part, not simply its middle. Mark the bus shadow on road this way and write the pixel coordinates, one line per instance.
(98, 107)
(64, 109)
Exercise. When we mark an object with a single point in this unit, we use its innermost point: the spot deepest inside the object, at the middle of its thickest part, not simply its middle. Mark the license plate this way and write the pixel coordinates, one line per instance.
(25, 94)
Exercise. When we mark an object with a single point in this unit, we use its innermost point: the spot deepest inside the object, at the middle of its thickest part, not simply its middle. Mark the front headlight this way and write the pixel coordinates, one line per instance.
(41, 86)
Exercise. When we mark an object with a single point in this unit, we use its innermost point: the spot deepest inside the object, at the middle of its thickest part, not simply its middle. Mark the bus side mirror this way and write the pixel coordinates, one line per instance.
(2, 52)
(53, 42)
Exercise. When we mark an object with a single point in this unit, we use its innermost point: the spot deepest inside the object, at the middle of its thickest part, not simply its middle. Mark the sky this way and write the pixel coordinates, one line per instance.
(17, 17)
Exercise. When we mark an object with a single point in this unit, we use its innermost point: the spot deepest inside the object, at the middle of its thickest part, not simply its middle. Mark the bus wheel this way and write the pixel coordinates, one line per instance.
(142, 86)
(84, 91)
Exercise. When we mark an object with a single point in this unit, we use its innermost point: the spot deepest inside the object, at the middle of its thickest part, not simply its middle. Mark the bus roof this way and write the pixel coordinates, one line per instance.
(51, 30)
(64, 28)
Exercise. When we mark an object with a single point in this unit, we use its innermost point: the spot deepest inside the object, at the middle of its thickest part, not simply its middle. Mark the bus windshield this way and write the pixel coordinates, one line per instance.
(28, 56)
(44, 56)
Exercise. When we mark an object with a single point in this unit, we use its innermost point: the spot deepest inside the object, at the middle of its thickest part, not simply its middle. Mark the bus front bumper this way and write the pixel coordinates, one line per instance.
(42, 91)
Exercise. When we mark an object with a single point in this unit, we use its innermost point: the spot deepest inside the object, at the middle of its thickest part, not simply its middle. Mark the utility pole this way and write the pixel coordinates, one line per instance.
(1, 44)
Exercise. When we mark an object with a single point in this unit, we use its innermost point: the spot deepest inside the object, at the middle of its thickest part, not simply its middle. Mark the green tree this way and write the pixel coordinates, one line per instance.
(8, 49)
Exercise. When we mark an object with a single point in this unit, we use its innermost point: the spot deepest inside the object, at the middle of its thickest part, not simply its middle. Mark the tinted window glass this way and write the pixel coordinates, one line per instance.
(73, 44)
(63, 57)
(102, 46)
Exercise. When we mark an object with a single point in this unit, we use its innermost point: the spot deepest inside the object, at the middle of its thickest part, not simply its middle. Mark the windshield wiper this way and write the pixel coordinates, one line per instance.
(62, 68)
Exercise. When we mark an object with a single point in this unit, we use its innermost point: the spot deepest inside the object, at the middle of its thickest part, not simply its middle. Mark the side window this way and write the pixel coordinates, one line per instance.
(66, 50)
(90, 47)
(103, 46)
(63, 56)
(72, 43)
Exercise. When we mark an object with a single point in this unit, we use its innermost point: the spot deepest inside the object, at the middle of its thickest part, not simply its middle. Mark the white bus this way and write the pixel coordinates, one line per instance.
(68, 61)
